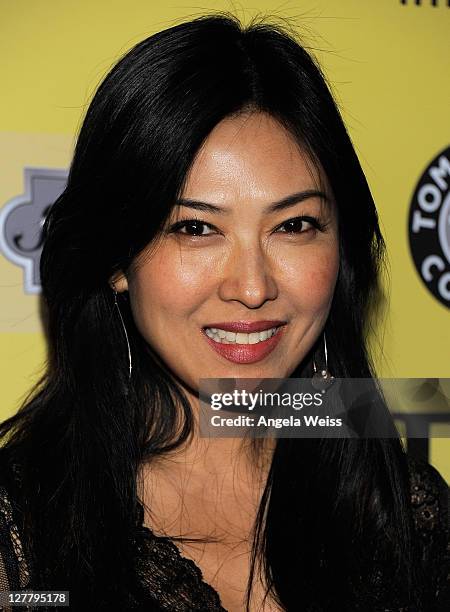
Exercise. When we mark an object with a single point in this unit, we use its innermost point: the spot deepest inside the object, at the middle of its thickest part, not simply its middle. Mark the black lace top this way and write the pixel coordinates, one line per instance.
(175, 583)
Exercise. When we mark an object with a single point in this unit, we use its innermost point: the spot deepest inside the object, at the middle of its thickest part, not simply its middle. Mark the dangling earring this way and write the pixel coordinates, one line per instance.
(322, 379)
(124, 328)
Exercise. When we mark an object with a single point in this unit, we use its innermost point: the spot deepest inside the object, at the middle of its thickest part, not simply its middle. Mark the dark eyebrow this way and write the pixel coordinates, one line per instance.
(290, 200)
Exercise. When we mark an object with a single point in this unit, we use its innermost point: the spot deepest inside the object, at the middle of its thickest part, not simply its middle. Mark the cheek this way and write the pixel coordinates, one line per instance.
(311, 281)
(168, 285)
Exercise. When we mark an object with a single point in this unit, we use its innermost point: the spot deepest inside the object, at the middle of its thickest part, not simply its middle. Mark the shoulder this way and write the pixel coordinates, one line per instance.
(429, 497)
(15, 574)
(429, 494)
(430, 503)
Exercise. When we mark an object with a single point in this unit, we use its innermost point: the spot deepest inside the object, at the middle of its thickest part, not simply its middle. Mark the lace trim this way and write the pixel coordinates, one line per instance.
(186, 586)
(6, 510)
(425, 503)
(430, 498)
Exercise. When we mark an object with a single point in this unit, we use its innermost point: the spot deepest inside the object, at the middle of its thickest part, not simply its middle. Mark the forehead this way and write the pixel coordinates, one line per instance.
(251, 155)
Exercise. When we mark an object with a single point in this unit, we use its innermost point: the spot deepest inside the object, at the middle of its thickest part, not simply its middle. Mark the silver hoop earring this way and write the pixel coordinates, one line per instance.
(124, 329)
(322, 379)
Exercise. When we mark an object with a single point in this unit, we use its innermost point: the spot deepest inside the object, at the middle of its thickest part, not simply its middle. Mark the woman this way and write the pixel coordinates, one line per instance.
(214, 193)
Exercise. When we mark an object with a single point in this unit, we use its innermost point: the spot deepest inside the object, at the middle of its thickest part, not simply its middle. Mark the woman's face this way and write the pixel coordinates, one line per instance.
(244, 258)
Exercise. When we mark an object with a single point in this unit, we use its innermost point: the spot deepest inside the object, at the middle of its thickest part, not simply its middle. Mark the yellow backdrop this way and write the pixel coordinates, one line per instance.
(388, 65)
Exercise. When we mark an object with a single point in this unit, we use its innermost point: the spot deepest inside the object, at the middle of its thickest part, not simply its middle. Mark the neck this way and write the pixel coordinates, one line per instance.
(207, 466)
(211, 453)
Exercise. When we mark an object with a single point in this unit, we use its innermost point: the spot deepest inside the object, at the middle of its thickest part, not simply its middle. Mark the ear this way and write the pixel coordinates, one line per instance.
(119, 282)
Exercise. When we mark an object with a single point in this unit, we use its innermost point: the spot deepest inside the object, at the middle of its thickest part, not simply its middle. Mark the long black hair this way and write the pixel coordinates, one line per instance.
(331, 508)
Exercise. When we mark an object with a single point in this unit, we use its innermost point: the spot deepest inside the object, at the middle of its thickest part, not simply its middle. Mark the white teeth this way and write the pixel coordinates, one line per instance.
(227, 337)
(242, 338)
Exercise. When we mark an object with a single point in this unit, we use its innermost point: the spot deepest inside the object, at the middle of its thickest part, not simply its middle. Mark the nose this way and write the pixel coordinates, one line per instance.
(248, 277)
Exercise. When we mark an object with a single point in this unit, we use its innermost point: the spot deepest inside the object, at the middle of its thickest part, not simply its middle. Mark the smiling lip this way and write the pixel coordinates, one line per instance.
(246, 327)
(247, 353)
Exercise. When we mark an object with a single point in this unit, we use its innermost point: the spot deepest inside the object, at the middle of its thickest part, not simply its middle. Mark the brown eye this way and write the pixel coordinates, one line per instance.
(193, 227)
(297, 225)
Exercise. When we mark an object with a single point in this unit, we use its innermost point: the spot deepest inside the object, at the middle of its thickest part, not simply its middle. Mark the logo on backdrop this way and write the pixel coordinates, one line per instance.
(429, 227)
(22, 219)
(426, 2)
